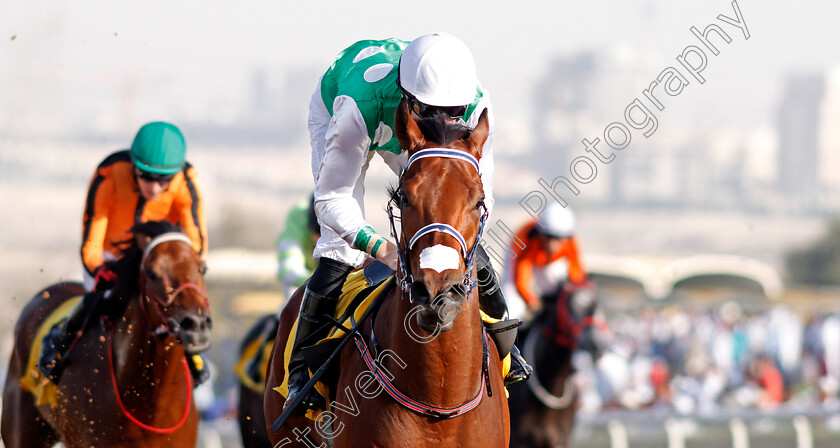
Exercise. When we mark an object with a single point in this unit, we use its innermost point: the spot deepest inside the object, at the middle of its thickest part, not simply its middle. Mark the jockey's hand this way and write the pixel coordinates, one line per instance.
(536, 307)
(104, 277)
(387, 253)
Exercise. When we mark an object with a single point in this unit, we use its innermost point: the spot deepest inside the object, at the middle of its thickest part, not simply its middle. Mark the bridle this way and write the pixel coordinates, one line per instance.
(567, 328)
(171, 327)
(406, 277)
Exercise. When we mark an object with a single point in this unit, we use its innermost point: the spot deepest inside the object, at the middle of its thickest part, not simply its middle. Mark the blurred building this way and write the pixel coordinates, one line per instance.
(798, 127)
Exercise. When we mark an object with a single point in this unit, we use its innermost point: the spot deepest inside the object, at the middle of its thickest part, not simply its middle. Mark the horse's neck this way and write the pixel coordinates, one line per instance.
(446, 371)
(143, 360)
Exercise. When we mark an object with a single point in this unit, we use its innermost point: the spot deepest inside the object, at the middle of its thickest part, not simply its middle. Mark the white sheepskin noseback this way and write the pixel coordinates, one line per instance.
(439, 258)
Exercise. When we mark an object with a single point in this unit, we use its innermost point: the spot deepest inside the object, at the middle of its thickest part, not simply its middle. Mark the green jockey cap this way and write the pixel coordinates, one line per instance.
(159, 148)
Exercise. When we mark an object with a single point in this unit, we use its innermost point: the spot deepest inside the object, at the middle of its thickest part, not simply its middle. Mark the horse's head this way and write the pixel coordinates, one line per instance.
(570, 318)
(173, 293)
(441, 200)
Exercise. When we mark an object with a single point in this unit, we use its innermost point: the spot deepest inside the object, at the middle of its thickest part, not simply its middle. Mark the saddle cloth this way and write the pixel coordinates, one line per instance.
(33, 380)
(260, 345)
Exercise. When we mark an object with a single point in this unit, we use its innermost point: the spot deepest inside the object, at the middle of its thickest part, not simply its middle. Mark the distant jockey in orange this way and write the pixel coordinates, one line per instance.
(150, 182)
(550, 257)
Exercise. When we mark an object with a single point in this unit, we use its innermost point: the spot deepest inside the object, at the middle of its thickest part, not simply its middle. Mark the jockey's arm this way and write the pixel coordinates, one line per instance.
(292, 244)
(189, 212)
(100, 199)
(523, 276)
(576, 272)
(291, 269)
(345, 155)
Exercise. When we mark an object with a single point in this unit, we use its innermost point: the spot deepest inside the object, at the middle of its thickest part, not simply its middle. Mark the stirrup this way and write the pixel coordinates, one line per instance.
(520, 370)
(312, 400)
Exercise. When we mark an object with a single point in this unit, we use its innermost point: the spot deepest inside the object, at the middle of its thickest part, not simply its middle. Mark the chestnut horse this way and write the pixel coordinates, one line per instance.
(436, 380)
(126, 384)
(544, 408)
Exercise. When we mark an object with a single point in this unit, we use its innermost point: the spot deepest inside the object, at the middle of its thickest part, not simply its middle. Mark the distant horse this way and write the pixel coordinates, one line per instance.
(543, 409)
(436, 380)
(252, 425)
(127, 384)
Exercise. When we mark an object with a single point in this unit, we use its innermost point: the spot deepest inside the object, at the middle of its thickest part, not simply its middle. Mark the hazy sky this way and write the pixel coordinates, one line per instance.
(61, 61)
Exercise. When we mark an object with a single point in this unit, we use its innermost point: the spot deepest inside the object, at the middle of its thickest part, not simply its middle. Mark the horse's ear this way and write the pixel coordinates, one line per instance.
(479, 135)
(408, 133)
(142, 240)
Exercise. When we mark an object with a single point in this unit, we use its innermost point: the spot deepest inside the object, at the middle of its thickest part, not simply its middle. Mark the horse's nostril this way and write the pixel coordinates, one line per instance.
(189, 323)
(208, 324)
(419, 291)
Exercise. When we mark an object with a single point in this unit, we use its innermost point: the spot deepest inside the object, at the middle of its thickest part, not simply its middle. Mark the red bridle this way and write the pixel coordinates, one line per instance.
(567, 329)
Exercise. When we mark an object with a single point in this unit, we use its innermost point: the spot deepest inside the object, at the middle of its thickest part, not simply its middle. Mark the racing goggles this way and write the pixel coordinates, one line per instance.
(427, 110)
(152, 177)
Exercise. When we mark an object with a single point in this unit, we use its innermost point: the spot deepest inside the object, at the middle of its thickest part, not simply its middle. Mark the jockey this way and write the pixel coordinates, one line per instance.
(545, 246)
(351, 118)
(295, 246)
(150, 182)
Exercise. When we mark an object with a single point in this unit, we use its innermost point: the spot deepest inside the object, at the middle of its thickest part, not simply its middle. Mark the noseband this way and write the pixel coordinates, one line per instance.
(406, 276)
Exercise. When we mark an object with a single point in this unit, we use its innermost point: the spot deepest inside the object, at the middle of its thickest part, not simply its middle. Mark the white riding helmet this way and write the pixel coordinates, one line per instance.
(558, 221)
(438, 69)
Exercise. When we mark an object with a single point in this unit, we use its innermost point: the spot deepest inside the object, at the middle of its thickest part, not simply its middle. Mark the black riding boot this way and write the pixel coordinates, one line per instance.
(320, 298)
(62, 336)
(492, 302)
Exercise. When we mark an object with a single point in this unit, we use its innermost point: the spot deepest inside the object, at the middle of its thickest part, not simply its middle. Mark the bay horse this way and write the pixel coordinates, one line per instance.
(252, 424)
(544, 408)
(126, 384)
(436, 380)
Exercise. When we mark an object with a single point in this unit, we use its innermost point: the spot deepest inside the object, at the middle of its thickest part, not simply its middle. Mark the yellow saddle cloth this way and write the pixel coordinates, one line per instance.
(259, 345)
(355, 284)
(33, 380)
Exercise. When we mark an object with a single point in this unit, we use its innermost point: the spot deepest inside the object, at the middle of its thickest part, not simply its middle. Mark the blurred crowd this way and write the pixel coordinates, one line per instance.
(699, 360)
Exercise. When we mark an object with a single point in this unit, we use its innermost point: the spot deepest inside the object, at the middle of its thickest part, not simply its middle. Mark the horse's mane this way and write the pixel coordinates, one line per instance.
(127, 266)
(436, 129)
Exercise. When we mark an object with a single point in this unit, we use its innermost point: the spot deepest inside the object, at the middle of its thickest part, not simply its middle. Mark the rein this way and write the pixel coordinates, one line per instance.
(543, 395)
(127, 414)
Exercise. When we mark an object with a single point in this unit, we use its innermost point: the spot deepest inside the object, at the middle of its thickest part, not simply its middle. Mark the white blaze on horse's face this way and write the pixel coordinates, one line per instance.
(439, 258)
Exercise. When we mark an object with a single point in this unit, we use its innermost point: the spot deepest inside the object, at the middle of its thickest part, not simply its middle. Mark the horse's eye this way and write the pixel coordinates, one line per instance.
(152, 275)
(403, 200)
(480, 204)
